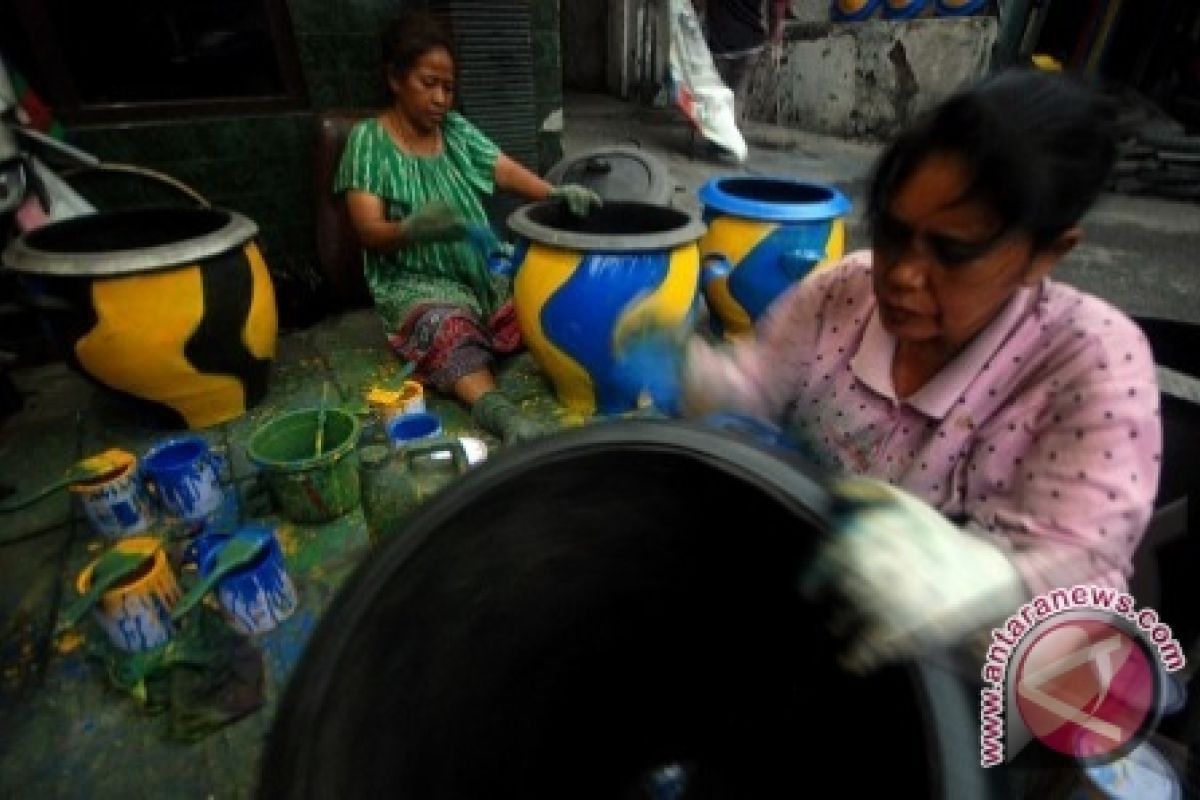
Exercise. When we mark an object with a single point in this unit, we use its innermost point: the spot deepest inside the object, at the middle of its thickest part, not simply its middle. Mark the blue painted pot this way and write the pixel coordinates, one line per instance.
(853, 10)
(764, 235)
(903, 9)
(959, 8)
(583, 284)
(258, 596)
(183, 473)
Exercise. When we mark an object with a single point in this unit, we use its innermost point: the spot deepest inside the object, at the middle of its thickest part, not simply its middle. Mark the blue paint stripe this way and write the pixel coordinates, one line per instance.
(760, 277)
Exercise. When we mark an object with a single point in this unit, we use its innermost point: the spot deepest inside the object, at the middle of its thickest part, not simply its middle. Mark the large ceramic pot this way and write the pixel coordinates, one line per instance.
(170, 308)
(595, 616)
(584, 282)
(764, 234)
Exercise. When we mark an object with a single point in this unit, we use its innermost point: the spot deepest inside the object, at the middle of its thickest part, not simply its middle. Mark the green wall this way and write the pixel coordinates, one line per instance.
(261, 165)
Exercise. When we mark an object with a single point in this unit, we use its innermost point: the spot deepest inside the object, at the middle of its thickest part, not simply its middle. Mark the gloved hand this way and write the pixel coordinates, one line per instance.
(907, 578)
(650, 365)
(580, 200)
(435, 221)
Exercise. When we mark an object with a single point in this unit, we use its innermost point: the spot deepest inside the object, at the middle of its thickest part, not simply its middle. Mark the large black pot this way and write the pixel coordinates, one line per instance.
(171, 309)
(598, 612)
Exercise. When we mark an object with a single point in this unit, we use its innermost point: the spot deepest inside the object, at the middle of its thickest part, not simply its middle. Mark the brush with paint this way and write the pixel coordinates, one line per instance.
(250, 577)
(131, 590)
(307, 486)
(96, 467)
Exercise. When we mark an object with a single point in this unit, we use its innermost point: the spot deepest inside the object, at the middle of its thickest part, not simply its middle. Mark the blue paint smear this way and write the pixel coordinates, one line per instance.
(581, 318)
(760, 277)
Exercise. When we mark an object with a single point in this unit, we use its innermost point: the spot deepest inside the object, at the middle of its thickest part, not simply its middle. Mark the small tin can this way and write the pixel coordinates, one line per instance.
(387, 404)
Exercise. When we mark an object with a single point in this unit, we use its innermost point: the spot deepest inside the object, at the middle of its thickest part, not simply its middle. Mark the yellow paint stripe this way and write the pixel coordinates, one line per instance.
(734, 237)
(543, 273)
(835, 247)
(262, 324)
(668, 305)
(143, 323)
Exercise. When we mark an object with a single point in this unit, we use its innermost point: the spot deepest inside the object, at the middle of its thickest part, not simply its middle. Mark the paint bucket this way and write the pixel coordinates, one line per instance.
(116, 504)
(260, 595)
(136, 613)
(308, 487)
(184, 476)
(408, 428)
(764, 235)
(391, 403)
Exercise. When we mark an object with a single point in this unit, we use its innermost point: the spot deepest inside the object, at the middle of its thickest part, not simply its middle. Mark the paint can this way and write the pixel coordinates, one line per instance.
(391, 403)
(409, 428)
(260, 595)
(116, 504)
(184, 476)
(305, 486)
(136, 613)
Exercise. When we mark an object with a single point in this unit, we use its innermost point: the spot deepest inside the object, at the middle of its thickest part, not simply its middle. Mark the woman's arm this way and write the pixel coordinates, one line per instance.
(512, 176)
(761, 376)
(368, 217)
(435, 221)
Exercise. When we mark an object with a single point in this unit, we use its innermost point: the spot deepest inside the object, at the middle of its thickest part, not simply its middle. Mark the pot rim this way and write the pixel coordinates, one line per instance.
(327, 459)
(20, 256)
(715, 197)
(689, 232)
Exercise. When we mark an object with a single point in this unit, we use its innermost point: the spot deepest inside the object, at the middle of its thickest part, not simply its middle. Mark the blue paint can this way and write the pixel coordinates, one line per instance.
(183, 474)
(258, 596)
(405, 429)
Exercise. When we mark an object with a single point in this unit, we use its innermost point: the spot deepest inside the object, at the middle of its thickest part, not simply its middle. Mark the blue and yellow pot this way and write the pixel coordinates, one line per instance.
(172, 309)
(583, 283)
(764, 234)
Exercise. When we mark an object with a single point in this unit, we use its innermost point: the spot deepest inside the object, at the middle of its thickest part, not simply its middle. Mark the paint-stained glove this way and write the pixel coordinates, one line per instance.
(435, 221)
(904, 579)
(580, 200)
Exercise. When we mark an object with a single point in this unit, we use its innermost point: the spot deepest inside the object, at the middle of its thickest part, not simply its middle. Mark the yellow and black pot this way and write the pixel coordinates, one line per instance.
(584, 283)
(764, 234)
(170, 308)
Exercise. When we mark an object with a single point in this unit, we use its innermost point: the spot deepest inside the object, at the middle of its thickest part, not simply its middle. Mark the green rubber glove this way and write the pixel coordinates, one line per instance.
(580, 200)
(435, 221)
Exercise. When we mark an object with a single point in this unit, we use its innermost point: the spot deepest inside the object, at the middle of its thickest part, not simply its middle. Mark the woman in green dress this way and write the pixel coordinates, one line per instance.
(413, 178)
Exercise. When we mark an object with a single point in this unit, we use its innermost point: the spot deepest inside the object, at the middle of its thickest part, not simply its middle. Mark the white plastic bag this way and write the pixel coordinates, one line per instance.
(696, 86)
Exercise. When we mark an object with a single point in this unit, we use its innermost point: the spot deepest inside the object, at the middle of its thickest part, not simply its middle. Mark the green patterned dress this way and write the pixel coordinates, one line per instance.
(438, 297)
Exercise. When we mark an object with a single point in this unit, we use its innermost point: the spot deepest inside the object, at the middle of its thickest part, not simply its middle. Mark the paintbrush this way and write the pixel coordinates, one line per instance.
(113, 567)
(236, 553)
(110, 462)
(321, 417)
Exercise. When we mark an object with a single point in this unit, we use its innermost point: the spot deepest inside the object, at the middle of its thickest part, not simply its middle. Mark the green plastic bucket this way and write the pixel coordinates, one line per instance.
(307, 487)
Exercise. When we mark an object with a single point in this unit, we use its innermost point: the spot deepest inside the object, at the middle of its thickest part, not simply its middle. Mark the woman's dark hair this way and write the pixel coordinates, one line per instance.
(409, 36)
(1040, 147)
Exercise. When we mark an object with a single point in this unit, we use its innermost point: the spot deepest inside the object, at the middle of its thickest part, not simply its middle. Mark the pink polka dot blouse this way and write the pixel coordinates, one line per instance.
(1044, 432)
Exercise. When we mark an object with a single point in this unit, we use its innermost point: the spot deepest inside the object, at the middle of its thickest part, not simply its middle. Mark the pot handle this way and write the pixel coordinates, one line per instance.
(798, 263)
(442, 444)
(714, 268)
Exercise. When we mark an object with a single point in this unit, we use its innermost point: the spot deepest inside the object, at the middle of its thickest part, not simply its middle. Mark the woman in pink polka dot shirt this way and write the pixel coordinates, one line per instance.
(947, 362)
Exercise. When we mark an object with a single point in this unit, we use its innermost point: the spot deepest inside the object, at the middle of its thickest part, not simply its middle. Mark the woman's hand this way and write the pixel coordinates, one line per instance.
(903, 578)
(580, 200)
(435, 221)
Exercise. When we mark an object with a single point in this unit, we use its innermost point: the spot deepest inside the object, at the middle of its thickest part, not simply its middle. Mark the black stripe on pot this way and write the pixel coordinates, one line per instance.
(216, 346)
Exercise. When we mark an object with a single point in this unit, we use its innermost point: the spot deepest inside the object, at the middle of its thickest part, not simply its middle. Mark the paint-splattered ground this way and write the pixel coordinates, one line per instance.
(64, 731)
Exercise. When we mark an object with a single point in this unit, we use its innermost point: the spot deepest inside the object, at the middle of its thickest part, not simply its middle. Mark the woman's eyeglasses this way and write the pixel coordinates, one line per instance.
(891, 236)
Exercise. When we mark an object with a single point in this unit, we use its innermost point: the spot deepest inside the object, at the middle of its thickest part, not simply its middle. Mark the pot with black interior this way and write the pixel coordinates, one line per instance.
(609, 613)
